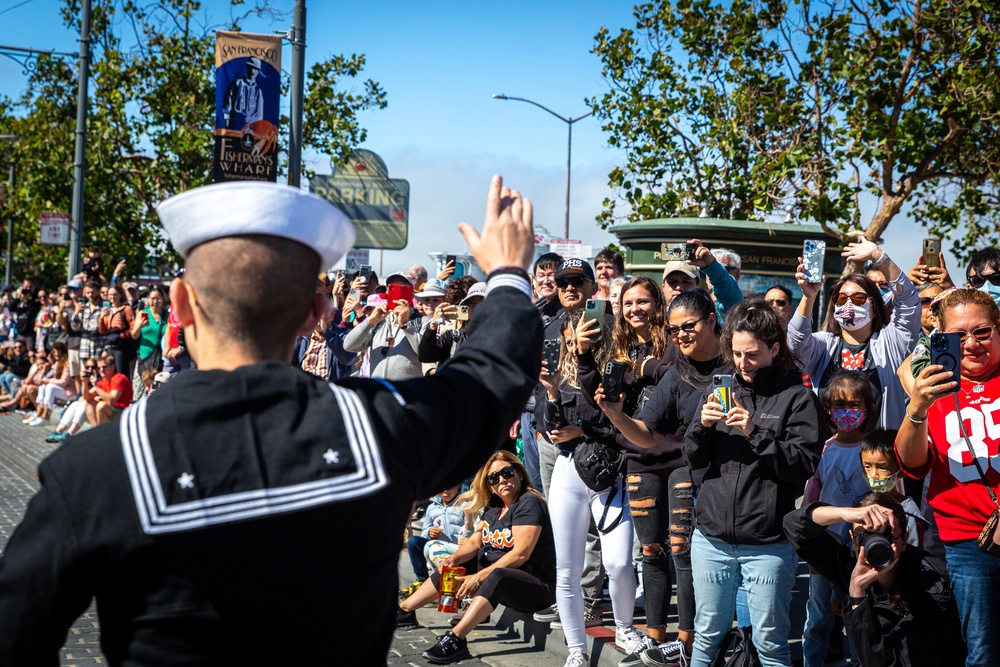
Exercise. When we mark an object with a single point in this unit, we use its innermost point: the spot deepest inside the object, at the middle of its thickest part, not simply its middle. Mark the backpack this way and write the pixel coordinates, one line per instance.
(738, 647)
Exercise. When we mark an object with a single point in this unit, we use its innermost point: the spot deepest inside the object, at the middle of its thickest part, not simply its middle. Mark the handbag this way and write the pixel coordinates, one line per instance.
(598, 465)
(990, 533)
(736, 650)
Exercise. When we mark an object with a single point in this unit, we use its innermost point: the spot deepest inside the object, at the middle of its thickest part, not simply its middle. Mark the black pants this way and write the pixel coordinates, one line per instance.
(517, 589)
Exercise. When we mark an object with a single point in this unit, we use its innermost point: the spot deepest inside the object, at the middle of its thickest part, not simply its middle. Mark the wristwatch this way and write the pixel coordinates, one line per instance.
(855, 602)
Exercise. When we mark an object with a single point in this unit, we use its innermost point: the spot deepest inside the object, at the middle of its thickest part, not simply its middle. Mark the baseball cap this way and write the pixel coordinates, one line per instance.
(690, 270)
(575, 267)
(402, 278)
(432, 288)
(478, 289)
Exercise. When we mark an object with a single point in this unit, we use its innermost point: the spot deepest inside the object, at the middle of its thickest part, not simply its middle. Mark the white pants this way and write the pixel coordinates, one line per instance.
(76, 413)
(48, 394)
(569, 499)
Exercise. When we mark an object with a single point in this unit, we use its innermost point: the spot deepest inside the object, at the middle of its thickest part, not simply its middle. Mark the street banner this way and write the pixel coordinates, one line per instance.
(54, 229)
(376, 204)
(247, 106)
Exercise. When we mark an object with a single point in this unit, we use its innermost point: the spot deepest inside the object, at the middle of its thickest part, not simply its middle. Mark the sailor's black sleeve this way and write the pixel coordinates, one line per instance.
(43, 588)
(436, 431)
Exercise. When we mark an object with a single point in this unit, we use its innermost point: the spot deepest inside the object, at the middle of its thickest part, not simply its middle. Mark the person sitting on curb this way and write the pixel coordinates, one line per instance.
(109, 395)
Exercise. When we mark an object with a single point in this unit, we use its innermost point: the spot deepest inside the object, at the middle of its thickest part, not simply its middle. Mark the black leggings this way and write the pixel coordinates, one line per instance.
(517, 589)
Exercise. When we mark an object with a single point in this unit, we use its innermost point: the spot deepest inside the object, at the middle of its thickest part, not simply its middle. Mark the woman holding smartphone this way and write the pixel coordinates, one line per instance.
(749, 464)
(660, 426)
(148, 329)
(570, 421)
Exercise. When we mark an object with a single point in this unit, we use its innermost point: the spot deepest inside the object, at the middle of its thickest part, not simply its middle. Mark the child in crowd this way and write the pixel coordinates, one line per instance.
(849, 403)
(881, 470)
(444, 521)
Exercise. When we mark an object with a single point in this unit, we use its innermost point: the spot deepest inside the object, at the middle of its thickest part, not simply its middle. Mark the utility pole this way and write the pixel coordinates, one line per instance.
(80, 151)
(298, 39)
(8, 272)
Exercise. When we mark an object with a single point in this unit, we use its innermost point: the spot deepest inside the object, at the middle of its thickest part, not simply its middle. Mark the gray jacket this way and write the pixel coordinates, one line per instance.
(888, 348)
(396, 362)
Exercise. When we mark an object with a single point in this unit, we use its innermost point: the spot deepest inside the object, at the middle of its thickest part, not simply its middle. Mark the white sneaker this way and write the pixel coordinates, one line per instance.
(31, 415)
(550, 615)
(628, 638)
(666, 654)
(577, 659)
(38, 421)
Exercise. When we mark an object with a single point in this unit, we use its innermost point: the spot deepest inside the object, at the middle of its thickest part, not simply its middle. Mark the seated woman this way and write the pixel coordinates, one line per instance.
(901, 614)
(29, 387)
(511, 560)
(60, 385)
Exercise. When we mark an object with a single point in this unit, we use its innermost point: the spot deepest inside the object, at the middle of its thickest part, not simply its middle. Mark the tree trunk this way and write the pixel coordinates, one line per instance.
(890, 207)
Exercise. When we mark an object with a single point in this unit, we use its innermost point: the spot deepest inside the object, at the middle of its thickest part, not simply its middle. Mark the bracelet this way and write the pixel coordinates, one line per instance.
(915, 420)
(513, 270)
(855, 601)
(881, 260)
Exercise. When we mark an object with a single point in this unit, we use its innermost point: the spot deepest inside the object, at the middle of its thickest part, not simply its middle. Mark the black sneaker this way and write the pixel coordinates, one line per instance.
(406, 620)
(448, 649)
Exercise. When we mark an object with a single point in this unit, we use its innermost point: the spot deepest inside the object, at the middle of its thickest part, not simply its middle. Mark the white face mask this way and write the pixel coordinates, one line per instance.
(851, 317)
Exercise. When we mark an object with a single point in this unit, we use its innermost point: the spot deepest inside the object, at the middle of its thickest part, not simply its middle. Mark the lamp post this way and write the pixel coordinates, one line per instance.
(569, 144)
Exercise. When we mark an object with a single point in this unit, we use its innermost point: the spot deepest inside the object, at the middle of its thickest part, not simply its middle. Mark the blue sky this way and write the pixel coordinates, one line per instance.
(439, 63)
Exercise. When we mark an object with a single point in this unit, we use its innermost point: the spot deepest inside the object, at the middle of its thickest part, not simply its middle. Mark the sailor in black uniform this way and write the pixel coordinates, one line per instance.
(248, 513)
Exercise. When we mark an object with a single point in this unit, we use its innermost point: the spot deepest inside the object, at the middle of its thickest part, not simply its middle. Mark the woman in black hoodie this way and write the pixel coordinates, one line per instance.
(749, 464)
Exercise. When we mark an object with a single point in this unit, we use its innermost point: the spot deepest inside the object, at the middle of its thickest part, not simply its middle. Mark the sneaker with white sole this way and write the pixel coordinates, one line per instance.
(628, 638)
(38, 421)
(591, 619)
(634, 659)
(448, 649)
(550, 615)
(668, 653)
(577, 659)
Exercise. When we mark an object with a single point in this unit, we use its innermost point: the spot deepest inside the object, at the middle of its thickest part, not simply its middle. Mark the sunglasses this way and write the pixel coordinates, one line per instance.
(857, 298)
(687, 327)
(494, 477)
(978, 281)
(926, 301)
(982, 334)
(780, 303)
(575, 281)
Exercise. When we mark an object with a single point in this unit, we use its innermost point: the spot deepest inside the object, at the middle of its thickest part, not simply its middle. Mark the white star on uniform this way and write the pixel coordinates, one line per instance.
(186, 481)
(331, 456)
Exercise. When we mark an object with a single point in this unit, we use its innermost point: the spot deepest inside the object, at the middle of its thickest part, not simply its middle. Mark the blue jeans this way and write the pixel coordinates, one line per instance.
(530, 448)
(975, 580)
(767, 571)
(415, 550)
(820, 620)
(5, 382)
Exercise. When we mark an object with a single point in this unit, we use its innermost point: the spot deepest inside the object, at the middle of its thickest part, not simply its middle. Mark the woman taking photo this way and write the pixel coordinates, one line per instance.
(931, 440)
(510, 560)
(749, 464)
(572, 504)
(859, 336)
(115, 325)
(661, 496)
(148, 329)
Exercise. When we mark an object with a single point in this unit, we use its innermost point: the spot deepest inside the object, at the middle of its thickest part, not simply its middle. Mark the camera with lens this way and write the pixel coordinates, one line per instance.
(878, 548)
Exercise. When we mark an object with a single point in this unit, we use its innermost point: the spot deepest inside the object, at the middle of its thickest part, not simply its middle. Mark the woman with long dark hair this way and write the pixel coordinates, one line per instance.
(662, 422)
(749, 462)
(859, 332)
(148, 329)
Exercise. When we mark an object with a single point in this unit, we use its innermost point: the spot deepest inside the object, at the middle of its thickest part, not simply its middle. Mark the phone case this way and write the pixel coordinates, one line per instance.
(946, 350)
(722, 389)
(594, 310)
(613, 380)
(813, 253)
(550, 354)
(932, 248)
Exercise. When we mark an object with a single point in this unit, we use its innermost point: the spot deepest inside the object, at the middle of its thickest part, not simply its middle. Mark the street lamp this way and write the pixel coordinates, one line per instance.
(569, 144)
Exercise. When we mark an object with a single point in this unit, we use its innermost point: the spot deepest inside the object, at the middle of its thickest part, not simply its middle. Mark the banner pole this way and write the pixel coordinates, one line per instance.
(297, 84)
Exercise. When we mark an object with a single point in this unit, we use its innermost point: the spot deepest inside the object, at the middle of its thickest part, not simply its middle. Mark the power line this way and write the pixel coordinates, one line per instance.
(13, 7)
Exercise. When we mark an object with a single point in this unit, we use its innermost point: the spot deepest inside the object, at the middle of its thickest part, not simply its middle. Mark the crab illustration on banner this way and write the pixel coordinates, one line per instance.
(247, 106)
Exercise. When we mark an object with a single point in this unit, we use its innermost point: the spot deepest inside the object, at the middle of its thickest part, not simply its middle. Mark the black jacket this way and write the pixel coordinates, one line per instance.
(211, 522)
(920, 630)
(745, 485)
(571, 409)
(665, 455)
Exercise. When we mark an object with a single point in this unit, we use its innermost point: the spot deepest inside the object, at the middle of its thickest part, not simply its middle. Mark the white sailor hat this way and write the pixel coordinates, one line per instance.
(240, 208)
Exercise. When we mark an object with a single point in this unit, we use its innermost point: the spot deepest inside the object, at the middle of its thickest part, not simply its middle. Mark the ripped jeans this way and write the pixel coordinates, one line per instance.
(661, 509)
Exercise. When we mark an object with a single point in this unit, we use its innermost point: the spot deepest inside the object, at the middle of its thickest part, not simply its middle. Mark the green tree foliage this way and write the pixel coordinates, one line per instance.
(746, 106)
(149, 132)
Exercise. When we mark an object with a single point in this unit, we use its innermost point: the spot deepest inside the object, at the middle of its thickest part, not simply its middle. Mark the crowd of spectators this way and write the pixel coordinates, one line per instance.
(826, 432)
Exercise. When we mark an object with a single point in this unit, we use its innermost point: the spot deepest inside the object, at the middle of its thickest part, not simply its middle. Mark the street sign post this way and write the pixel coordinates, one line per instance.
(54, 229)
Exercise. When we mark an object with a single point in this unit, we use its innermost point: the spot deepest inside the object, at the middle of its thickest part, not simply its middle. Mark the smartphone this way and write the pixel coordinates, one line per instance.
(356, 294)
(397, 292)
(613, 380)
(946, 350)
(81, 299)
(674, 252)
(550, 354)
(452, 259)
(594, 310)
(462, 313)
(105, 304)
(813, 254)
(722, 390)
(365, 272)
(932, 252)
(692, 251)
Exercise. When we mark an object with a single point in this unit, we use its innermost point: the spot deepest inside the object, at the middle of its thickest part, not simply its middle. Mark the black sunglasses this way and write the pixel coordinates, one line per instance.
(780, 303)
(575, 281)
(978, 281)
(926, 301)
(687, 327)
(494, 477)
